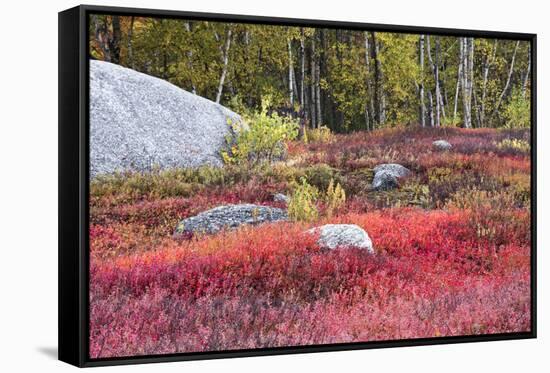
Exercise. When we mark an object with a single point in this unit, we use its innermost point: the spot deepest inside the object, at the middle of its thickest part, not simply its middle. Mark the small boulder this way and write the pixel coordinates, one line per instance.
(386, 175)
(384, 180)
(332, 236)
(229, 216)
(442, 145)
(280, 197)
(394, 168)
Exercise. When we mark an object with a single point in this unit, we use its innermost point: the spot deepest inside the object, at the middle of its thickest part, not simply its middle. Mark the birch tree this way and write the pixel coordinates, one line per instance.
(435, 72)
(421, 85)
(303, 66)
(467, 77)
(225, 59)
(507, 84)
(527, 73)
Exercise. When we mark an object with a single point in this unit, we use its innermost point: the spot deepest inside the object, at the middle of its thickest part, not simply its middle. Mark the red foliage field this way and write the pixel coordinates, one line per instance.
(452, 254)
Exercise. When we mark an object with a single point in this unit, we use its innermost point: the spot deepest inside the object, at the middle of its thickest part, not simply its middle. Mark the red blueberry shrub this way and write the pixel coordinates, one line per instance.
(452, 250)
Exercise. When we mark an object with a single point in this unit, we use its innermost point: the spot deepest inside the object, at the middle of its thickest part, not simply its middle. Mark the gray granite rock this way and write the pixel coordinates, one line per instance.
(280, 197)
(384, 180)
(139, 122)
(442, 145)
(229, 216)
(332, 236)
(386, 175)
(394, 168)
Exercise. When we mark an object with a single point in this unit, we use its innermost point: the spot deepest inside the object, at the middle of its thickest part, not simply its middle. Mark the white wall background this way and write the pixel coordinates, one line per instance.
(28, 184)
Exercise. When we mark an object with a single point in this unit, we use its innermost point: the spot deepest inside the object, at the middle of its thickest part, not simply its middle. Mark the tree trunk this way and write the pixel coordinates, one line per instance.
(458, 78)
(467, 54)
(317, 82)
(303, 67)
(435, 71)
(508, 79)
(290, 75)
(190, 60)
(130, 49)
(422, 108)
(312, 75)
(369, 105)
(486, 67)
(378, 94)
(225, 56)
(527, 73)
(431, 108)
(108, 37)
(439, 82)
(115, 40)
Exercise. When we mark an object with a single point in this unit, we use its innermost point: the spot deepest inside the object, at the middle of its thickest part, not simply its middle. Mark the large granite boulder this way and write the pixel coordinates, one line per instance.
(442, 145)
(387, 174)
(139, 122)
(229, 216)
(332, 236)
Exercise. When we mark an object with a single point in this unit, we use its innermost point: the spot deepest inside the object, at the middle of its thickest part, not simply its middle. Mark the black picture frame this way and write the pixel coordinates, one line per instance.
(73, 254)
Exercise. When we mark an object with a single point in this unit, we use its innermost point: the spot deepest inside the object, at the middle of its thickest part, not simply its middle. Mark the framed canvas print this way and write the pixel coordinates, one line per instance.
(238, 186)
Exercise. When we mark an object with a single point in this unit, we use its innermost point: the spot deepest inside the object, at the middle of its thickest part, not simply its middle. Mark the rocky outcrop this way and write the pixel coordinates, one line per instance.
(229, 216)
(332, 236)
(139, 122)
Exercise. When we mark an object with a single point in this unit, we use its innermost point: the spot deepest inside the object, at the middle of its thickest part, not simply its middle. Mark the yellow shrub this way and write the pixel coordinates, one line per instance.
(320, 134)
(302, 205)
(335, 197)
(516, 144)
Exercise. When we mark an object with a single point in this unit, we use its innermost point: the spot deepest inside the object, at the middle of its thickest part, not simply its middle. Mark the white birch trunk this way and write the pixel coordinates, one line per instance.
(508, 79)
(527, 73)
(225, 56)
(421, 90)
(435, 71)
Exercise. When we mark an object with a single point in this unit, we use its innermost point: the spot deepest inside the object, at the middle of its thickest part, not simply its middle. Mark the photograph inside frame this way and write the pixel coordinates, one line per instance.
(257, 186)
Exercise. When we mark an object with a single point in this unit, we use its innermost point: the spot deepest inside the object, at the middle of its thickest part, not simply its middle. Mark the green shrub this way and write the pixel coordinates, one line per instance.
(181, 182)
(320, 175)
(517, 114)
(263, 140)
(449, 121)
(302, 205)
(280, 172)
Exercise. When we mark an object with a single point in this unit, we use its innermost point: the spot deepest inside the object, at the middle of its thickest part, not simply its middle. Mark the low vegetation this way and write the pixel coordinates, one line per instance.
(452, 247)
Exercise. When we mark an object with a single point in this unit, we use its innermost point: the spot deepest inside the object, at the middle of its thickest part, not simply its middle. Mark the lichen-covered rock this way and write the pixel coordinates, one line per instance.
(442, 145)
(229, 216)
(332, 236)
(386, 175)
(280, 197)
(139, 122)
(394, 168)
(384, 180)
